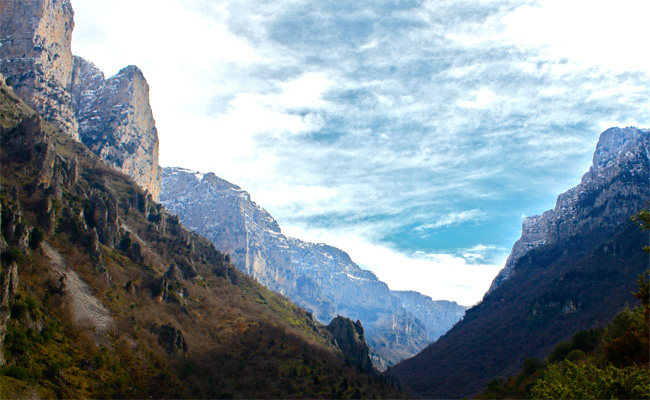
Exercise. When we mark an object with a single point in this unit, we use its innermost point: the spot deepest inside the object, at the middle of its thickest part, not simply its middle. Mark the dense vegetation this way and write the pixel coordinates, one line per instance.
(609, 362)
(602, 363)
(173, 319)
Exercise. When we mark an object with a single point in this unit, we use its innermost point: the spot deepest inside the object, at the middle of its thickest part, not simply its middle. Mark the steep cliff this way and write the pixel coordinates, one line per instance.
(321, 278)
(112, 117)
(116, 121)
(438, 316)
(35, 56)
(329, 283)
(607, 194)
(225, 214)
(575, 270)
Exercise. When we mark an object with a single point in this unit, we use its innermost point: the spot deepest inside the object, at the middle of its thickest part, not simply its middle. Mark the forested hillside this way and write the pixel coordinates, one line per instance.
(104, 293)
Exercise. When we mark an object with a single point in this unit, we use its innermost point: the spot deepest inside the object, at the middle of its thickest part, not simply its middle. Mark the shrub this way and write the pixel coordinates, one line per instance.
(36, 236)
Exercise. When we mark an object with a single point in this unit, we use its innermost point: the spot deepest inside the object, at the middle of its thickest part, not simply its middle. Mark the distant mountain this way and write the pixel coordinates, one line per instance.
(319, 277)
(573, 269)
(104, 294)
(437, 315)
(329, 283)
(112, 117)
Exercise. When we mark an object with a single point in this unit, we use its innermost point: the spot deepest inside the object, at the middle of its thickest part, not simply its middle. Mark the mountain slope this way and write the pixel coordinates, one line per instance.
(111, 116)
(104, 294)
(607, 195)
(577, 280)
(319, 277)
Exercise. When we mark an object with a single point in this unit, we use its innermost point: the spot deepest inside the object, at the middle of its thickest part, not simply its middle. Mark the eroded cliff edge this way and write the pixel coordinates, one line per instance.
(111, 116)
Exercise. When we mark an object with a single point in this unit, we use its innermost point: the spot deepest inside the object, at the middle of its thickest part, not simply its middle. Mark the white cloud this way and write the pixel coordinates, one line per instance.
(306, 91)
(455, 218)
(479, 99)
(594, 32)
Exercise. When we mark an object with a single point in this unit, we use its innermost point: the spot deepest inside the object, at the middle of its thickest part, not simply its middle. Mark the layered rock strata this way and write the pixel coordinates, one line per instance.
(321, 278)
(35, 56)
(605, 198)
(112, 117)
(116, 121)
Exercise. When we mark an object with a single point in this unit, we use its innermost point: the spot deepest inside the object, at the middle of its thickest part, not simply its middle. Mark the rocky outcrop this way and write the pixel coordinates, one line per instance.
(331, 284)
(8, 287)
(112, 117)
(116, 121)
(35, 56)
(321, 278)
(225, 214)
(438, 316)
(606, 197)
(171, 338)
(349, 337)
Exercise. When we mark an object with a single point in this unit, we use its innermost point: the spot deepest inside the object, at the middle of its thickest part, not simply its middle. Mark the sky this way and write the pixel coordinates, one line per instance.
(414, 135)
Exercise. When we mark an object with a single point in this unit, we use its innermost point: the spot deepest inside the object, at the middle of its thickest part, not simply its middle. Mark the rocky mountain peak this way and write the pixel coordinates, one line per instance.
(605, 198)
(36, 57)
(86, 80)
(112, 117)
(116, 121)
(615, 143)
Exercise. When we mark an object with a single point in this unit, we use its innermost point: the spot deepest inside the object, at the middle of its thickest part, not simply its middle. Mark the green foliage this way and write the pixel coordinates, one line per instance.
(569, 380)
(625, 341)
(610, 362)
(575, 355)
(531, 365)
(586, 341)
(560, 352)
(12, 254)
(642, 220)
(644, 292)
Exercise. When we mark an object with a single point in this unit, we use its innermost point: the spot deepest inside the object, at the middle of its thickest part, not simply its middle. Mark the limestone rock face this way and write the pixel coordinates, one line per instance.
(606, 197)
(321, 278)
(330, 284)
(35, 56)
(438, 316)
(111, 116)
(116, 121)
(225, 214)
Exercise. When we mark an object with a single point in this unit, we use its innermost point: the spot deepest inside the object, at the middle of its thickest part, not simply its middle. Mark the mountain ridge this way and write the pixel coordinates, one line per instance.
(613, 149)
(104, 294)
(576, 281)
(113, 117)
(319, 277)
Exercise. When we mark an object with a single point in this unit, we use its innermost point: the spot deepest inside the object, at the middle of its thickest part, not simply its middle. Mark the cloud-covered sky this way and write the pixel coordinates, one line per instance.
(415, 135)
